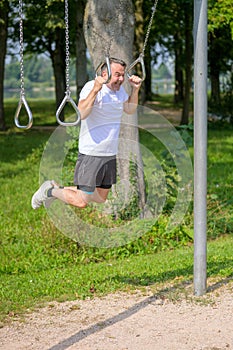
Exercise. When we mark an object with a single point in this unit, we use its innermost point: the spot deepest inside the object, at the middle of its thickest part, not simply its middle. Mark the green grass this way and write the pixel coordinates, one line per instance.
(69, 280)
(43, 111)
(220, 181)
(38, 263)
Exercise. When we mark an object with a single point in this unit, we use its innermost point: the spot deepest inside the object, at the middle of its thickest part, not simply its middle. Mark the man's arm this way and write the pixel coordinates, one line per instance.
(131, 104)
(85, 105)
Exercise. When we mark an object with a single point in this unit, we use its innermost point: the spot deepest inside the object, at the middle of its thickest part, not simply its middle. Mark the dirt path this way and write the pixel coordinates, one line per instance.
(139, 321)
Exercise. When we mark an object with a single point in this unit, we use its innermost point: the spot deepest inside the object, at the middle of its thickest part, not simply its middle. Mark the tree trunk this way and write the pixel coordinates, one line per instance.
(214, 64)
(109, 28)
(138, 45)
(188, 66)
(147, 82)
(4, 10)
(179, 82)
(215, 86)
(81, 59)
(59, 67)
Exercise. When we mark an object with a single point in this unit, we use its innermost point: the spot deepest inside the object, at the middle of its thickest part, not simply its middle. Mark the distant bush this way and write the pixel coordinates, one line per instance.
(224, 110)
(227, 99)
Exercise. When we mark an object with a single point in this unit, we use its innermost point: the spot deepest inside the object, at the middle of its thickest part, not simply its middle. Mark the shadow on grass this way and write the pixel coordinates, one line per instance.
(17, 146)
(214, 268)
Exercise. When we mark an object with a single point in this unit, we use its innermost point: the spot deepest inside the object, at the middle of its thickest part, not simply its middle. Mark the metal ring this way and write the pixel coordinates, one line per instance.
(107, 62)
(65, 100)
(132, 65)
(22, 102)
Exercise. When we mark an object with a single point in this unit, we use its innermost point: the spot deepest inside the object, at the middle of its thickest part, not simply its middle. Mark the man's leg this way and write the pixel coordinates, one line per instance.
(69, 195)
(102, 193)
(49, 191)
(79, 198)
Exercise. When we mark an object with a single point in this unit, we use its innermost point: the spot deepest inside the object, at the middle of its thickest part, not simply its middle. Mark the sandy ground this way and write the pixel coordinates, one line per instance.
(138, 321)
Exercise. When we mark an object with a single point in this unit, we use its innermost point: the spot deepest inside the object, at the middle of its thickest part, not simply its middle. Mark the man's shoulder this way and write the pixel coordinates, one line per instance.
(89, 84)
(86, 89)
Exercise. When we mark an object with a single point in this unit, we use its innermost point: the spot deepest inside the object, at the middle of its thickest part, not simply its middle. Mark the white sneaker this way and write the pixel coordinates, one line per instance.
(41, 194)
(49, 200)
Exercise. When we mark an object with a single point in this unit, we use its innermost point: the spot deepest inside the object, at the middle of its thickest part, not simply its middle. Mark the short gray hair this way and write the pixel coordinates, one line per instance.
(113, 60)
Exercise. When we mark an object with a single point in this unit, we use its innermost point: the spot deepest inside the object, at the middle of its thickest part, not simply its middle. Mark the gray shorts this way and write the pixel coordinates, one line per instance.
(91, 172)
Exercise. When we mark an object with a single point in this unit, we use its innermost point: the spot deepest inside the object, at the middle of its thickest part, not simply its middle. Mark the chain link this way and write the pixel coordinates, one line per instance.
(67, 47)
(21, 45)
(149, 27)
(22, 100)
(67, 98)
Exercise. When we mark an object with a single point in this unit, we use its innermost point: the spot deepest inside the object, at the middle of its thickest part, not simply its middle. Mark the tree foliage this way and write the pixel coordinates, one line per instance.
(170, 36)
(220, 54)
(4, 10)
(220, 15)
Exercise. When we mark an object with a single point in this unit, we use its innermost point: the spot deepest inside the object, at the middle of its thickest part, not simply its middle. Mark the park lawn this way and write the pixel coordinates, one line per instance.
(43, 111)
(167, 272)
(38, 263)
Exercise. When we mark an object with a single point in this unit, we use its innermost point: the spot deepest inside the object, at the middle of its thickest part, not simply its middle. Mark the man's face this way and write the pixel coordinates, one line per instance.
(118, 76)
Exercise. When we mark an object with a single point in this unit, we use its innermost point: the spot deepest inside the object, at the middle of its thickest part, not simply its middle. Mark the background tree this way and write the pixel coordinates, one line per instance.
(81, 48)
(166, 40)
(143, 12)
(171, 36)
(44, 33)
(138, 45)
(188, 62)
(4, 11)
(220, 56)
(109, 28)
(220, 14)
(174, 22)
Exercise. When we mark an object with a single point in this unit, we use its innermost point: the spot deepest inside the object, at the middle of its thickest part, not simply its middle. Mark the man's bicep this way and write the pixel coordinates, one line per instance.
(86, 90)
(126, 106)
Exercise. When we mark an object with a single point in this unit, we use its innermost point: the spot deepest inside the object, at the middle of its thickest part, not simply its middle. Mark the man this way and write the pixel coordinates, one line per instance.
(101, 106)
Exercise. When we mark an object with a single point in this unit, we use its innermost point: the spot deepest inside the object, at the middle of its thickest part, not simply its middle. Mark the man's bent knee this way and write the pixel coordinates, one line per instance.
(76, 199)
(82, 205)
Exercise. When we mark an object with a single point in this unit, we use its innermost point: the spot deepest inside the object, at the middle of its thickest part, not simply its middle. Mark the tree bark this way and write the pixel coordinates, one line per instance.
(179, 81)
(188, 66)
(109, 28)
(148, 83)
(138, 46)
(81, 59)
(59, 67)
(214, 64)
(215, 86)
(4, 10)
